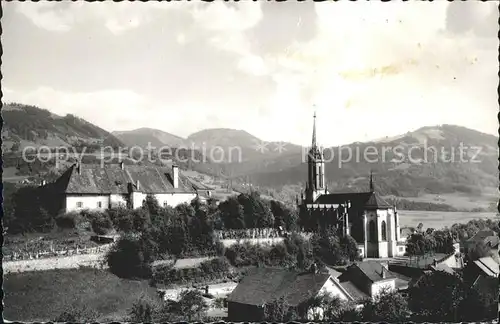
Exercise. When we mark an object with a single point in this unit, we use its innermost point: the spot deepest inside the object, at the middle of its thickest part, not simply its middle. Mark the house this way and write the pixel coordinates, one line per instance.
(486, 267)
(96, 187)
(487, 238)
(263, 285)
(365, 216)
(365, 280)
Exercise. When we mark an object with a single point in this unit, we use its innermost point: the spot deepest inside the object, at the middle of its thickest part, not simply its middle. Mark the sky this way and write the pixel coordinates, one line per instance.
(368, 69)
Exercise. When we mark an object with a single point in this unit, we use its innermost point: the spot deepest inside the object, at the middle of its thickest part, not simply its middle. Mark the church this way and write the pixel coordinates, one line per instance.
(365, 216)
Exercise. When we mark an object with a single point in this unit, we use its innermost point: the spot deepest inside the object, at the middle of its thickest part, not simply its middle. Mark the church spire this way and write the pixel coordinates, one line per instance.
(314, 131)
(371, 181)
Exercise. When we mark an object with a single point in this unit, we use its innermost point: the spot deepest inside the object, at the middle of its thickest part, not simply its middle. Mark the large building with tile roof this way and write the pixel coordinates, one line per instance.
(96, 187)
(365, 216)
(264, 285)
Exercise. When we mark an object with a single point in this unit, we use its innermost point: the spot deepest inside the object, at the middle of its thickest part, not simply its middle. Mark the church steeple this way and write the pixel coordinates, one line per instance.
(316, 168)
(371, 181)
(314, 131)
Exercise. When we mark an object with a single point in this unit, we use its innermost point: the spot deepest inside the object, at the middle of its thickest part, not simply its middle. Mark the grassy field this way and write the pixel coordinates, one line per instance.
(43, 295)
(439, 219)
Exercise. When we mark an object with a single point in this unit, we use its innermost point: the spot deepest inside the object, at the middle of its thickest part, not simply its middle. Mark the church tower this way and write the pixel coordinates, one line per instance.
(316, 185)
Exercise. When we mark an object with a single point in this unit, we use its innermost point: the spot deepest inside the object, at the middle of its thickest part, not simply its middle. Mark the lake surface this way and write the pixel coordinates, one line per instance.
(437, 219)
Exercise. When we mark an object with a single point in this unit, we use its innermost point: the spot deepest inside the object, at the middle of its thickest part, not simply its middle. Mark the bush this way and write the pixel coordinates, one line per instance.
(130, 257)
(101, 223)
(67, 220)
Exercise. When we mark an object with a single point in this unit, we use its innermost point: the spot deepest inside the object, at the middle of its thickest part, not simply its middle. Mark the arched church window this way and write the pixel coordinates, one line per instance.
(373, 231)
(384, 231)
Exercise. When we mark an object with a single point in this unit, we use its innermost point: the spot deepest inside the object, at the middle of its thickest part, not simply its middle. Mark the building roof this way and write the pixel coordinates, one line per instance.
(482, 235)
(442, 267)
(357, 294)
(373, 271)
(263, 285)
(488, 266)
(371, 200)
(112, 179)
(405, 232)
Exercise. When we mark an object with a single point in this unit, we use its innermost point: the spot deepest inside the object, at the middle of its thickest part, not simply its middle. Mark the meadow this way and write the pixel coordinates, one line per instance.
(440, 219)
(43, 295)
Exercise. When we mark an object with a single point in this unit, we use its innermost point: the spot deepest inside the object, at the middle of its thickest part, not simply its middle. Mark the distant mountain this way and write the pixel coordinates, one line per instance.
(26, 125)
(397, 172)
(238, 146)
(143, 136)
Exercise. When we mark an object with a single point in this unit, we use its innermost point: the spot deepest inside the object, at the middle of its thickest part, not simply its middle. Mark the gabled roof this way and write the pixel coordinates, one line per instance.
(482, 235)
(263, 285)
(442, 267)
(112, 179)
(357, 294)
(373, 271)
(489, 266)
(370, 200)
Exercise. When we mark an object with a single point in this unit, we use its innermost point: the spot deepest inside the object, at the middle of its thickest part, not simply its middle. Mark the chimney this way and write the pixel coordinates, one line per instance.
(44, 182)
(78, 168)
(435, 263)
(314, 268)
(175, 176)
(138, 185)
(122, 166)
(384, 272)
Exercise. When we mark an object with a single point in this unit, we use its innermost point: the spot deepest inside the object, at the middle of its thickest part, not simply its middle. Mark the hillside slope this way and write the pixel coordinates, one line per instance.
(26, 125)
(143, 137)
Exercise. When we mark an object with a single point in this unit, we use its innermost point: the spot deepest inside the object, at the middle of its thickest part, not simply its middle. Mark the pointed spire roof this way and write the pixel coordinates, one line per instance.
(314, 130)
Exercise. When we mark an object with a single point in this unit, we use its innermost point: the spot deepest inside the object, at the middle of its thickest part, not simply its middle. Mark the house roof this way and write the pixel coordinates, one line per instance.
(266, 284)
(442, 267)
(488, 266)
(112, 179)
(367, 199)
(405, 232)
(357, 294)
(482, 235)
(373, 271)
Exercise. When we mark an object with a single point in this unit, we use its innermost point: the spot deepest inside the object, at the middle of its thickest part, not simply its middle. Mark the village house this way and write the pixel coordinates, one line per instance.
(365, 216)
(365, 280)
(263, 285)
(417, 267)
(94, 187)
(487, 238)
(486, 267)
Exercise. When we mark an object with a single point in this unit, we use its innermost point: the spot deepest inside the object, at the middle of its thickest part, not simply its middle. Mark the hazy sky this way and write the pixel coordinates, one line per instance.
(371, 69)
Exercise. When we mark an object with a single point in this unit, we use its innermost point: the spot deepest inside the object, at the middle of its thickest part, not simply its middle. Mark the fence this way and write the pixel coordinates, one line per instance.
(51, 253)
(249, 233)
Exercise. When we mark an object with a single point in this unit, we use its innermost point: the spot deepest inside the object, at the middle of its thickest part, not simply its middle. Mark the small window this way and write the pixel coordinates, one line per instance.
(165, 204)
(99, 204)
(401, 249)
(79, 204)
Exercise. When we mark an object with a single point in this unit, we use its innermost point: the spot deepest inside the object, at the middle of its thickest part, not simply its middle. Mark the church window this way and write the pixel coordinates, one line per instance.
(373, 231)
(384, 231)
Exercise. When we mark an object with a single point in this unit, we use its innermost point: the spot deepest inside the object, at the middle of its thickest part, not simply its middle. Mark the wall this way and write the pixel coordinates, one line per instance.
(333, 289)
(452, 262)
(116, 200)
(89, 202)
(403, 250)
(377, 287)
(383, 249)
(137, 199)
(175, 199)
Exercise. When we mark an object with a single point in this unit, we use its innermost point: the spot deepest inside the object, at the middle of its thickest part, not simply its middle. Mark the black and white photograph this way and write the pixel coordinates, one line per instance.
(250, 161)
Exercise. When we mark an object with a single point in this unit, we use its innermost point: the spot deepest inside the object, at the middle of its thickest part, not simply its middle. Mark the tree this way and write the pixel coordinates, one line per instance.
(479, 250)
(130, 256)
(387, 306)
(232, 214)
(278, 310)
(349, 248)
(144, 310)
(191, 307)
(436, 297)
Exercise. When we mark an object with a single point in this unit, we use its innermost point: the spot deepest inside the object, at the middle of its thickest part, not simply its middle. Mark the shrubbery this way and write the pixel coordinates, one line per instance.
(130, 257)
(207, 271)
